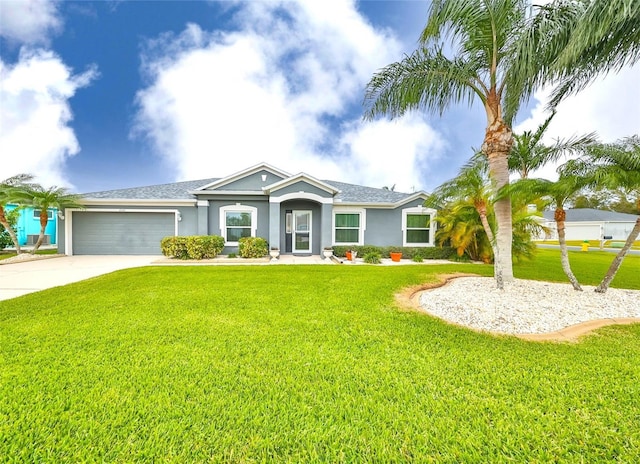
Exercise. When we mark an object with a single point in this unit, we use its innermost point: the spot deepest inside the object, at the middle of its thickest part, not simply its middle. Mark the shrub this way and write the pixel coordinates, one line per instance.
(373, 257)
(407, 252)
(192, 246)
(12, 219)
(231, 255)
(417, 259)
(253, 247)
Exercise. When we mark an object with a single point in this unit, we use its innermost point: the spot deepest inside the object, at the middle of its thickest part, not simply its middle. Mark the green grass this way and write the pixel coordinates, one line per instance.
(4, 254)
(592, 243)
(300, 364)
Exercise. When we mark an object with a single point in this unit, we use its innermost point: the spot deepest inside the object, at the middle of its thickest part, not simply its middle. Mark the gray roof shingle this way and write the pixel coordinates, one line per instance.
(349, 193)
(591, 215)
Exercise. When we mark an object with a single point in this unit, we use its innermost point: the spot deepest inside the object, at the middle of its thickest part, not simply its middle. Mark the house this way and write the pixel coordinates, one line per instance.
(298, 214)
(28, 225)
(592, 224)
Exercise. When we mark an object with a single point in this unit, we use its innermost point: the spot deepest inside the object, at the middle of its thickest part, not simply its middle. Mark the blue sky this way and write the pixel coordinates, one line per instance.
(111, 94)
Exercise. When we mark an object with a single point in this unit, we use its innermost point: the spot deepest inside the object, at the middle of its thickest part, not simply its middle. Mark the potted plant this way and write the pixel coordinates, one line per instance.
(348, 255)
(395, 256)
(274, 253)
(327, 252)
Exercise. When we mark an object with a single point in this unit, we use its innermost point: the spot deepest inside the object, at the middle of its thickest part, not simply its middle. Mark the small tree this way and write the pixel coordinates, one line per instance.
(13, 189)
(52, 197)
(5, 237)
(611, 166)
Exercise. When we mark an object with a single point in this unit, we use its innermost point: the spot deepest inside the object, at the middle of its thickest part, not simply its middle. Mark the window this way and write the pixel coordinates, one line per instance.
(238, 225)
(348, 227)
(236, 222)
(416, 224)
(36, 214)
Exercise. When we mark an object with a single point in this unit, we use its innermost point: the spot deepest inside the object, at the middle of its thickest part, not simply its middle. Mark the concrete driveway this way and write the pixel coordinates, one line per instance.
(18, 278)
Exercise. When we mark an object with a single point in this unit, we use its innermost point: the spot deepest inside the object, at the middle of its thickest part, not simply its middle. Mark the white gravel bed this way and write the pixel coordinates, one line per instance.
(525, 306)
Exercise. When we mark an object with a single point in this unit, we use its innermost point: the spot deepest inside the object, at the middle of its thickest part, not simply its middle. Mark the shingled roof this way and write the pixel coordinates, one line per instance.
(593, 215)
(349, 193)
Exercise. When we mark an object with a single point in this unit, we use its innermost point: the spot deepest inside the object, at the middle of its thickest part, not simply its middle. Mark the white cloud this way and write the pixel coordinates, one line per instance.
(35, 136)
(276, 90)
(610, 106)
(29, 21)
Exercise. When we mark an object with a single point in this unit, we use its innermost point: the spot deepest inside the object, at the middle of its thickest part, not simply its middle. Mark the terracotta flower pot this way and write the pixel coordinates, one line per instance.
(348, 253)
(395, 256)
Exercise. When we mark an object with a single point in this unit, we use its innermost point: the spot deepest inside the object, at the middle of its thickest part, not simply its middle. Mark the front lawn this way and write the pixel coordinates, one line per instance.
(301, 364)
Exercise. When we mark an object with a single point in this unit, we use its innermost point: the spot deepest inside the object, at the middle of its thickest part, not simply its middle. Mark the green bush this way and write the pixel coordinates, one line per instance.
(373, 257)
(253, 247)
(12, 219)
(417, 259)
(192, 246)
(407, 252)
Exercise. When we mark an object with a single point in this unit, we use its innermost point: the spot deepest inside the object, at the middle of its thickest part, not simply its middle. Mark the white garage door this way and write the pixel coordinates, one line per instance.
(578, 231)
(106, 233)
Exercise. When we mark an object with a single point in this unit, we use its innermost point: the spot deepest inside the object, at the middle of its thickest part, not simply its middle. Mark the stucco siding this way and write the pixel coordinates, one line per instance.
(301, 186)
(252, 182)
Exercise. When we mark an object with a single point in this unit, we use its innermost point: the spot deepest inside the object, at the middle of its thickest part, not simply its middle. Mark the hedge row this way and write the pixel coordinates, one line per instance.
(192, 246)
(407, 252)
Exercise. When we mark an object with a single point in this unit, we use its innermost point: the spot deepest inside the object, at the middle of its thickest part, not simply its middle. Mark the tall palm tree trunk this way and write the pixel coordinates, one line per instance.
(560, 216)
(9, 229)
(615, 265)
(497, 144)
(44, 220)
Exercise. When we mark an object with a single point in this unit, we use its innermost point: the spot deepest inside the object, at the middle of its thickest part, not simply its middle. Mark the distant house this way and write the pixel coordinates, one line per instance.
(28, 226)
(592, 224)
(298, 214)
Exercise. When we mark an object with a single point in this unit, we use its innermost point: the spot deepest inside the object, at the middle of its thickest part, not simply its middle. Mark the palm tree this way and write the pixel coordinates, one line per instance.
(603, 37)
(460, 227)
(557, 194)
(529, 154)
(52, 197)
(500, 48)
(12, 189)
(472, 186)
(611, 166)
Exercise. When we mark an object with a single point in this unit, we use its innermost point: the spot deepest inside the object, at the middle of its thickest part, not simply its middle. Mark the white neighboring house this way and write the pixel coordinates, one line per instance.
(591, 224)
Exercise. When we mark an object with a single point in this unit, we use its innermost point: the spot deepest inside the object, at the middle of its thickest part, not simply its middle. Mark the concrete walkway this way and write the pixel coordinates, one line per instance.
(20, 278)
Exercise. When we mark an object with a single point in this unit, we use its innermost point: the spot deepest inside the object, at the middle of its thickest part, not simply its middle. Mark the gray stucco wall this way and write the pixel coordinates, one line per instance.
(301, 186)
(263, 218)
(252, 182)
(384, 226)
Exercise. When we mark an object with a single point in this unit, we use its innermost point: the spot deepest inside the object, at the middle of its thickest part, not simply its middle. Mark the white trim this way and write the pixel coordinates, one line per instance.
(310, 231)
(237, 207)
(301, 196)
(301, 177)
(363, 224)
(200, 193)
(383, 205)
(135, 202)
(202, 203)
(432, 225)
(241, 174)
(68, 223)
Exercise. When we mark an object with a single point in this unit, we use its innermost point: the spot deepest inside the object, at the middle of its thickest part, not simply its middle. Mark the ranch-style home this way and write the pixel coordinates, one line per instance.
(297, 214)
(28, 225)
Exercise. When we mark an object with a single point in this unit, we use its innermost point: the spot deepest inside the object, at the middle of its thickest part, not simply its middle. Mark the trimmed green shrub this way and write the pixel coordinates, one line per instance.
(417, 259)
(253, 247)
(192, 246)
(373, 257)
(407, 252)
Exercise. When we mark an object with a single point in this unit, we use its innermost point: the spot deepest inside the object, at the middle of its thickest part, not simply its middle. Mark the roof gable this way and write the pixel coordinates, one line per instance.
(301, 177)
(250, 179)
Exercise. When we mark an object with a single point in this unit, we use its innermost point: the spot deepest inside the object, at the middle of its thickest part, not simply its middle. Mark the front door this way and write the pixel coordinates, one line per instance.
(302, 231)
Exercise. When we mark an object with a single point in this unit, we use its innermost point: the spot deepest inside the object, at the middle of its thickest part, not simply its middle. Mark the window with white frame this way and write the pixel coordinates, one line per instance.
(348, 227)
(416, 226)
(36, 214)
(237, 221)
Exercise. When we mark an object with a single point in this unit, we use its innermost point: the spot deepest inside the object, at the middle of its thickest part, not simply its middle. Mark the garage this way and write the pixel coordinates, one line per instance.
(120, 233)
